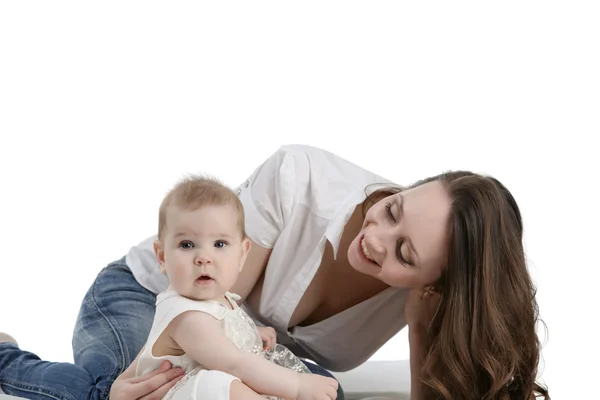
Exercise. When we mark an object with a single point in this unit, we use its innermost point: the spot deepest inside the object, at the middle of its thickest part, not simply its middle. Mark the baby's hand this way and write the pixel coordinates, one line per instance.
(317, 387)
(268, 336)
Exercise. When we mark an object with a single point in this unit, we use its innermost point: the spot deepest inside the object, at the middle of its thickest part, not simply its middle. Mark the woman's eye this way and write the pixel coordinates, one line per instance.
(186, 244)
(400, 256)
(219, 244)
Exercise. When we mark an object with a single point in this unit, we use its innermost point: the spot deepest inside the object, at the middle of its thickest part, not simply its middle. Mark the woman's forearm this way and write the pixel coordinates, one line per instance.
(417, 353)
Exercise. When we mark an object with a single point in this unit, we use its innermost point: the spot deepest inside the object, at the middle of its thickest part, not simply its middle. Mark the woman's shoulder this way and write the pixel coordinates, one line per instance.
(316, 154)
(323, 177)
(319, 166)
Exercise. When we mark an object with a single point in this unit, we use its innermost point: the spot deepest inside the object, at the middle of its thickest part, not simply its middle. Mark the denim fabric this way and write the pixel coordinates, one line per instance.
(113, 324)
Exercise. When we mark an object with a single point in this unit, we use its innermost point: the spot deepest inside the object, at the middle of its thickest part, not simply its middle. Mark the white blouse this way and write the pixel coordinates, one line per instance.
(294, 202)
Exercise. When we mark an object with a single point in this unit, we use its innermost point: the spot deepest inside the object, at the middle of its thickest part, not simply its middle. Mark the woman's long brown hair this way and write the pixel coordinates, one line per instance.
(482, 343)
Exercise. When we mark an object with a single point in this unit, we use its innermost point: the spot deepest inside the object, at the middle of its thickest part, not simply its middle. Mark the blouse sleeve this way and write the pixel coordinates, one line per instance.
(268, 197)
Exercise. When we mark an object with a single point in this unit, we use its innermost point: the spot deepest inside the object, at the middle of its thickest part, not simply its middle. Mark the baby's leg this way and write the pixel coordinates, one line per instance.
(213, 385)
(240, 391)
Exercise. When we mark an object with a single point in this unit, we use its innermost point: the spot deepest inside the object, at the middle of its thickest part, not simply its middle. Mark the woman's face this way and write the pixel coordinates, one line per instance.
(404, 237)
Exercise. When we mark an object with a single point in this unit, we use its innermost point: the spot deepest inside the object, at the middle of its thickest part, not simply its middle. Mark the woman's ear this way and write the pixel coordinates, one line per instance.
(160, 254)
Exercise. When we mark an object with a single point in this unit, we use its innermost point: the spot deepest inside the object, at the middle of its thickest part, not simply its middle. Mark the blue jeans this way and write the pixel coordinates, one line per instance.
(113, 325)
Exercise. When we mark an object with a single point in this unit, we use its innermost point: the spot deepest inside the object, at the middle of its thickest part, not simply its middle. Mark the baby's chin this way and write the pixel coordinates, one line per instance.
(220, 297)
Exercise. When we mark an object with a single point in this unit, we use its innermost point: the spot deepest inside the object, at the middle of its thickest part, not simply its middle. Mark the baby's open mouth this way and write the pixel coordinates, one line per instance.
(204, 278)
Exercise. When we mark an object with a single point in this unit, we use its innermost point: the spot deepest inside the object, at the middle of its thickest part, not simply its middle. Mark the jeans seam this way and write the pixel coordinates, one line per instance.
(37, 390)
(105, 393)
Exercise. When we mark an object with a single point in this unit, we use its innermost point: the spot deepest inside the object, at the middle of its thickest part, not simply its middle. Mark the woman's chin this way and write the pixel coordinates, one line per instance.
(363, 267)
(355, 262)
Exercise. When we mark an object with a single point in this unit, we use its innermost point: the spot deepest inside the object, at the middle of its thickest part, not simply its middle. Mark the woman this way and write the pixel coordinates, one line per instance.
(338, 266)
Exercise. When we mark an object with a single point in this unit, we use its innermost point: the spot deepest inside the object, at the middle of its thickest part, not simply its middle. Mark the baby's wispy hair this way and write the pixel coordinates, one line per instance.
(195, 191)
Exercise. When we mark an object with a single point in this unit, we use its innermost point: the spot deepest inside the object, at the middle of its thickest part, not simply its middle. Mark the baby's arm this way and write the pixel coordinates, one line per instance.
(202, 338)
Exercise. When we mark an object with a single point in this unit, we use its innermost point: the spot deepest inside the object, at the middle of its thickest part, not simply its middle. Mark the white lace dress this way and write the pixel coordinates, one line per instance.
(199, 383)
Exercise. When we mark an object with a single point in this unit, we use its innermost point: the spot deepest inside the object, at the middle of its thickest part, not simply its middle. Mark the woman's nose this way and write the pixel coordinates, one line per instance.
(376, 249)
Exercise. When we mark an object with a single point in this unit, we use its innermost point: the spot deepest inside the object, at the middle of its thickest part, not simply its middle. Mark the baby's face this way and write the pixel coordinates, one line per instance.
(202, 251)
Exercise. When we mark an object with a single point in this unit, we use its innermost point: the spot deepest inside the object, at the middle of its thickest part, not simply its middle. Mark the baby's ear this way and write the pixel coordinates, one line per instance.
(245, 250)
(160, 254)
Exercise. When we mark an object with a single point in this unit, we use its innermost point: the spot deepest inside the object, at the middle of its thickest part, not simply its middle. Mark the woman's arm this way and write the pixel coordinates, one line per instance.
(253, 268)
(419, 312)
(268, 198)
(417, 353)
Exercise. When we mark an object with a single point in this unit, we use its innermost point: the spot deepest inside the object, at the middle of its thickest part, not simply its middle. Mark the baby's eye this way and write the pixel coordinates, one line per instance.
(186, 245)
(219, 244)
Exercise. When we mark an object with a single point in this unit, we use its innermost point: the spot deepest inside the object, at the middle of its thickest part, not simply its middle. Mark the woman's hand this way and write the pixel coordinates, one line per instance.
(150, 386)
(420, 308)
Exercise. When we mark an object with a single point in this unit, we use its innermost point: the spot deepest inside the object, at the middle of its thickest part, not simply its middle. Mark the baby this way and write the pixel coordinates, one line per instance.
(198, 325)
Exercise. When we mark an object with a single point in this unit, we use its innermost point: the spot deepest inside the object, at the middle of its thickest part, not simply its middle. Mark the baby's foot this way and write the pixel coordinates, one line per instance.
(5, 337)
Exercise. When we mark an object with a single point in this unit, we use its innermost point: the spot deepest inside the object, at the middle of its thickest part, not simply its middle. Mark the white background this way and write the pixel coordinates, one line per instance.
(104, 105)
